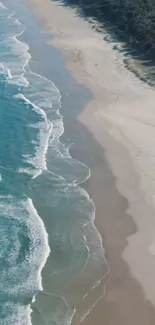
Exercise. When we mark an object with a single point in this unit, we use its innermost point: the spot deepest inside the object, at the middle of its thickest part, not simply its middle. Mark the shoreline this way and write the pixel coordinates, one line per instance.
(104, 130)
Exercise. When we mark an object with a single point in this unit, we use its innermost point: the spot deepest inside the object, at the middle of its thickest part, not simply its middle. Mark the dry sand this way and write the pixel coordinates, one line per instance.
(122, 119)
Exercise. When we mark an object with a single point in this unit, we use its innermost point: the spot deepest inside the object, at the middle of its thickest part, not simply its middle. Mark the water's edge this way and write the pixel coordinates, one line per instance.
(63, 172)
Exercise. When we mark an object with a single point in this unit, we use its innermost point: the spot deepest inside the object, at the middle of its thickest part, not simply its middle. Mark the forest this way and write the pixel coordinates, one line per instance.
(133, 19)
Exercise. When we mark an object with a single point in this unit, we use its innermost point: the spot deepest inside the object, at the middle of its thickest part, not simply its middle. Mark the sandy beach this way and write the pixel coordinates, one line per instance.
(122, 184)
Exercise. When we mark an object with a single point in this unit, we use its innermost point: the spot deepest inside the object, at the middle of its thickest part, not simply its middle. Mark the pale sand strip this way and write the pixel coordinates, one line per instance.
(123, 110)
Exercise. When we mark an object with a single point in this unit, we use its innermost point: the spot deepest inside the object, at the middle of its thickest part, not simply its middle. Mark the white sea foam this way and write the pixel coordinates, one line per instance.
(39, 229)
(45, 130)
(39, 158)
(22, 279)
(20, 54)
(40, 99)
(18, 67)
(21, 49)
(9, 73)
(5, 71)
(15, 314)
(17, 22)
(23, 212)
(2, 6)
(28, 171)
(44, 143)
(82, 319)
(2, 69)
(35, 107)
(46, 93)
(58, 128)
(11, 15)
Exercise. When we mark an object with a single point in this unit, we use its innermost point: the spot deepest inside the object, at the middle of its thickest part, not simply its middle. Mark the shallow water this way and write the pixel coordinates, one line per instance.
(43, 211)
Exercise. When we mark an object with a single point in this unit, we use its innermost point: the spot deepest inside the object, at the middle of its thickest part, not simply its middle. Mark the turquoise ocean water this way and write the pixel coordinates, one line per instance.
(30, 125)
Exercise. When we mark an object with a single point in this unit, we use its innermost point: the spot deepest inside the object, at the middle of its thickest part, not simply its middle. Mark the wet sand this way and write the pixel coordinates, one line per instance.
(121, 119)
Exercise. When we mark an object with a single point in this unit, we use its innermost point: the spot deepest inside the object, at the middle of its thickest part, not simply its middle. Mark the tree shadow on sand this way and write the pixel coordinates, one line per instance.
(135, 59)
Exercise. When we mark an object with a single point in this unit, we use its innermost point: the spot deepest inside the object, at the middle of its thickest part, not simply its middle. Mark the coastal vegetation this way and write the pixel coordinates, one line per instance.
(133, 19)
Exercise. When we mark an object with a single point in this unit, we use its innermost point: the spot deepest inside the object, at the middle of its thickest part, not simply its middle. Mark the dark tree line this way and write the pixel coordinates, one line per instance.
(132, 18)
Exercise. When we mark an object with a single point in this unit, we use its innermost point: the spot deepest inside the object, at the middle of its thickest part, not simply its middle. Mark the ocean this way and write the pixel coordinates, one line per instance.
(51, 253)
